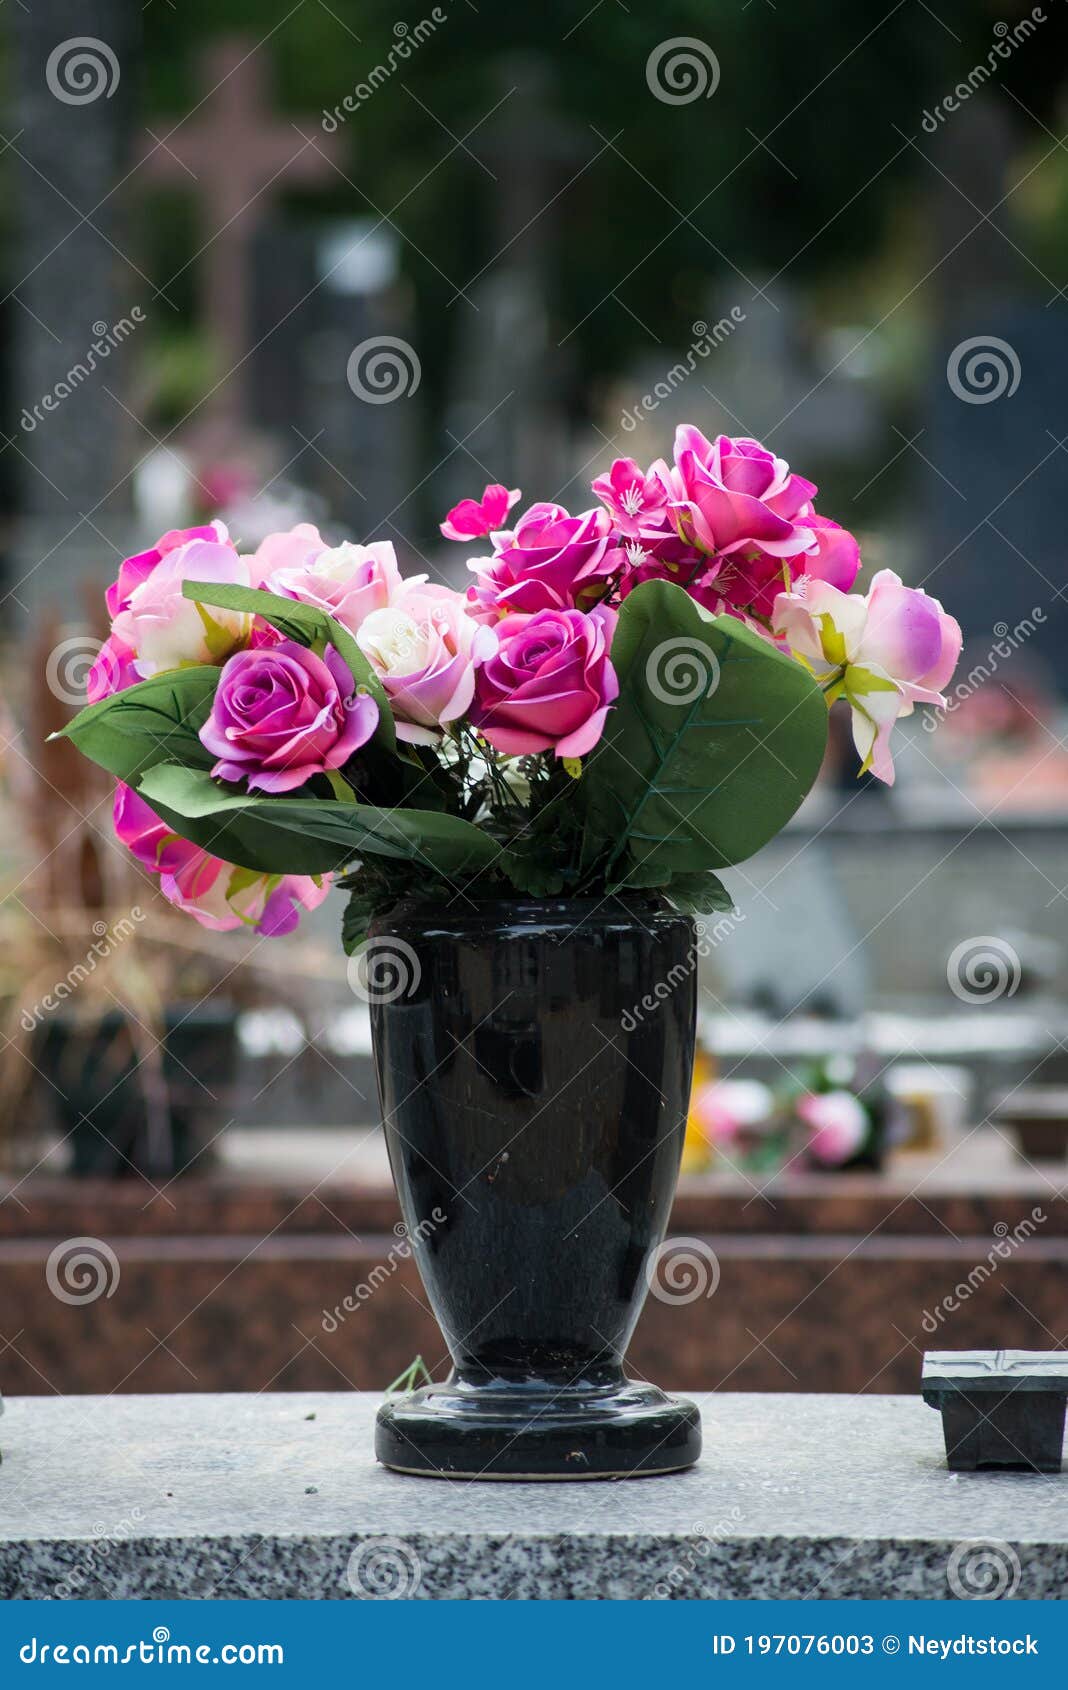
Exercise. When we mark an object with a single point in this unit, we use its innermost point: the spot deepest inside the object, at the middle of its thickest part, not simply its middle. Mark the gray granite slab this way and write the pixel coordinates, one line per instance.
(279, 1496)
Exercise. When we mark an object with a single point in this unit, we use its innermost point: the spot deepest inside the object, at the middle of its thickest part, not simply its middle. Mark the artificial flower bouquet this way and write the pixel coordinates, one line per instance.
(628, 699)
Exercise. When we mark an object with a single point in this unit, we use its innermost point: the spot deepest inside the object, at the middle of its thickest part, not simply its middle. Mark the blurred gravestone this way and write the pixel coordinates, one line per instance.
(509, 404)
(992, 486)
(319, 294)
(81, 300)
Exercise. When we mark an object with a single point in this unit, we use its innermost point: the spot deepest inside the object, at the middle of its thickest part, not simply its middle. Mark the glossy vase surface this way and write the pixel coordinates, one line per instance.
(534, 1062)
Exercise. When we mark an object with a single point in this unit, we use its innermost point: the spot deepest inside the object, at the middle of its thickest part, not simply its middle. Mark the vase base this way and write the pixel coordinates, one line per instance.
(519, 1434)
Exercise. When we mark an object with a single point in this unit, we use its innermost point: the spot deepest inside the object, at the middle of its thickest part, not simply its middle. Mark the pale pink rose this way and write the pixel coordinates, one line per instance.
(163, 629)
(425, 650)
(289, 548)
(213, 892)
(347, 581)
(885, 652)
(114, 669)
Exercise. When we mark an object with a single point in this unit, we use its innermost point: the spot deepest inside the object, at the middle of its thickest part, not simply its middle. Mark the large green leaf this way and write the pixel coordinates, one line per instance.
(714, 741)
(156, 721)
(310, 836)
(308, 626)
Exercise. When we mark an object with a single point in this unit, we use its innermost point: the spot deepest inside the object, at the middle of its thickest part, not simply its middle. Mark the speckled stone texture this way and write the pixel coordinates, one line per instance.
(279, 1496)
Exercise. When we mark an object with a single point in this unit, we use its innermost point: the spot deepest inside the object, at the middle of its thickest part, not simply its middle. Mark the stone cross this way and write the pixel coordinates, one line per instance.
(232, 153)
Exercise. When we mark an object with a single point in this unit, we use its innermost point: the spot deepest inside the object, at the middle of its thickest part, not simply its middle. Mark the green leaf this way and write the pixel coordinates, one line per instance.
(156, 721)
(308, 626)
(714, 740)
(309, 836)
(699, 894)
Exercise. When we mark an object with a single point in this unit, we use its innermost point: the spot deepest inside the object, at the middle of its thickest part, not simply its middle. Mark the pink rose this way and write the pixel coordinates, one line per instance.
(551, 561)
(471, 518)
(836, 557)
(289, 548)
(549, 685)
(281, 714)
(114, 669)
(163, 629)
(215, 893)
(735, 500)
(347, 581)
(425, 650)
(636, 502)
(135, 570)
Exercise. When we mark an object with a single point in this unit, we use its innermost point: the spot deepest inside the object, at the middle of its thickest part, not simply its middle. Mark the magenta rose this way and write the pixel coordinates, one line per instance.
(281, 714)
(549, 684)
(552, 561)
(836, 557)
(735, 495)
(213, 892)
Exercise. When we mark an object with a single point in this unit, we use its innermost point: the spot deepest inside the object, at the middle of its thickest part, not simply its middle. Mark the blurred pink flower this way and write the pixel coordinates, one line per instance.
(838, 1125)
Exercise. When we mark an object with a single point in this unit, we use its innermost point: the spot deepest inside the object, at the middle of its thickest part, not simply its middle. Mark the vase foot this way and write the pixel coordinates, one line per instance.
(517, 1433)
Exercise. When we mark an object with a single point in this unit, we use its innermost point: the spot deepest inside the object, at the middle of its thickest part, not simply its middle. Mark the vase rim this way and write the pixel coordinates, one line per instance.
(525, 911)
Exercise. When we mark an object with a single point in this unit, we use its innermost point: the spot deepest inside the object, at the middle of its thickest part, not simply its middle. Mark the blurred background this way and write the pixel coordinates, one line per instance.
(332, 262)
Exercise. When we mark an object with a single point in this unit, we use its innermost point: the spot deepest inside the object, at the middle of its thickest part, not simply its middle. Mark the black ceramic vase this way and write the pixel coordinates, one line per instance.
(534, 1062)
